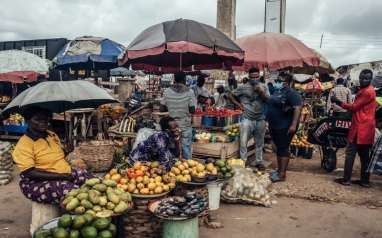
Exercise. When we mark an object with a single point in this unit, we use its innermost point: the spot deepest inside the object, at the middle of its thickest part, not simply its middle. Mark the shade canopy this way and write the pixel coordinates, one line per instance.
(89, 52)
(60, 96)
(275, 51)
(181, 45)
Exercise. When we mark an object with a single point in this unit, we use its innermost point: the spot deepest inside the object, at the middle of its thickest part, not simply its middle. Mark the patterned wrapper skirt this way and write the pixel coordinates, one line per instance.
(54, 190)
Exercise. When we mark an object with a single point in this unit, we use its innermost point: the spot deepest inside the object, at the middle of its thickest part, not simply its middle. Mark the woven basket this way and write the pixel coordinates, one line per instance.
(98, 155)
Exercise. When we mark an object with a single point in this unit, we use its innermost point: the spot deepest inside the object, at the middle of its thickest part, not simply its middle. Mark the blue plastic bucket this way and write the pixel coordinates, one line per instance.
(209, 121)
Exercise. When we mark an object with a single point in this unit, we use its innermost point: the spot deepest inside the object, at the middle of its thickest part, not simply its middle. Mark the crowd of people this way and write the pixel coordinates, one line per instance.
(46, 176)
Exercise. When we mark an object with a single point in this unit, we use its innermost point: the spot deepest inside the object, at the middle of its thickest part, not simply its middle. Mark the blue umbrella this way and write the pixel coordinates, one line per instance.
(89, 52)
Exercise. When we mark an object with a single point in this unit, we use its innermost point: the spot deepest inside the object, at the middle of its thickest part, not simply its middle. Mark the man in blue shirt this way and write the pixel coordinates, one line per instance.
(283, 113)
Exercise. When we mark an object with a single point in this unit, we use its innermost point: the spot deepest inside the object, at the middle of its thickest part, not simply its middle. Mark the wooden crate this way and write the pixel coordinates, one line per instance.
(220, 150)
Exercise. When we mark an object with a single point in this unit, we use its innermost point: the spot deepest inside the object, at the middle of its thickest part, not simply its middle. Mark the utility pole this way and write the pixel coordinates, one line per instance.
(265, 15)
(322, 37)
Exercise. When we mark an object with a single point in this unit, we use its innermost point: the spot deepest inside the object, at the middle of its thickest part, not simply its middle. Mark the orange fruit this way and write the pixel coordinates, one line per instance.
(123, 181)
(113, 171)
(116, 177)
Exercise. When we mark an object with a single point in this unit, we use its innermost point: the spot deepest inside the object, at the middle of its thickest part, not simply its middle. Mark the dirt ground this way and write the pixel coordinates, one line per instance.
(309, 205)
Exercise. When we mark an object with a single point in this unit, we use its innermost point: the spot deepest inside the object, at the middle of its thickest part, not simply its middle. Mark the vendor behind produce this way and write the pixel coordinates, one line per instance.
(162, 146)
(202, 95)
(45, 175)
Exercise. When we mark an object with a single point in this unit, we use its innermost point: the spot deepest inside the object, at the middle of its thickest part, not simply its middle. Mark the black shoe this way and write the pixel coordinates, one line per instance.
(342, 181)
(362, 184)
(260, 167)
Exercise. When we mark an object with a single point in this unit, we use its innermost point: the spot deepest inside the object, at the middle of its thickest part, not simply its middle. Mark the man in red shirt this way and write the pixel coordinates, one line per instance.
(362, 130)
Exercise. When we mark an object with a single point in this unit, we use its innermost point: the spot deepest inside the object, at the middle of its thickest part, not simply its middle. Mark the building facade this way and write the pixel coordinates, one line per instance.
(45, 48)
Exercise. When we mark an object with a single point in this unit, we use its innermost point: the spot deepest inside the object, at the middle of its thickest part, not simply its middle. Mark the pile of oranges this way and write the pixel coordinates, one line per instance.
(143, 178)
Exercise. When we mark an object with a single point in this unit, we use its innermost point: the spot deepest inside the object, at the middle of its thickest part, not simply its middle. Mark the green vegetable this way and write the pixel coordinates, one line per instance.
(74, 192)
(121, 207)
(80, 210)
(72, 204)
(89, 218)
(109, 183)
(78, 222)
(126, 197)
(114, 198)
(101, 223)
(86, 204)
(100, 187)
(60, 233)
(67, 200)
(97, 208)
(89, 232)
(110, 205)
(65, 221)
(112, 228)
(92, 182)
(42, 233)
(102, 201)
(105, 234)
(74, 234)
(93, 197)
(83, 196)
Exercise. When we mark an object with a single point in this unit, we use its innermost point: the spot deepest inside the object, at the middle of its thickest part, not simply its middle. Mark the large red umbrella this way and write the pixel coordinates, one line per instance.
(181, 45)
(275, 51)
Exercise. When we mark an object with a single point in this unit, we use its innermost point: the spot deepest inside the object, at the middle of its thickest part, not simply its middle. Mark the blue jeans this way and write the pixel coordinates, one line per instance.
(249, 128)
(185, 142)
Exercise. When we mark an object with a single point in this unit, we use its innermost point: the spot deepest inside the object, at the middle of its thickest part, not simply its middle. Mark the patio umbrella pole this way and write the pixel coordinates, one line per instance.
(180, 62)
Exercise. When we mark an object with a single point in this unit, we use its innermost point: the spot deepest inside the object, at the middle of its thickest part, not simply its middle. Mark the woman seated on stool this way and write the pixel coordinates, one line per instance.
(45, 175)
(162, 146)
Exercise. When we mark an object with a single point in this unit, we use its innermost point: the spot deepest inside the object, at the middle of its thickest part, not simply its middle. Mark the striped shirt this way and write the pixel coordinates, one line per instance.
(343, 94)
(178, 99)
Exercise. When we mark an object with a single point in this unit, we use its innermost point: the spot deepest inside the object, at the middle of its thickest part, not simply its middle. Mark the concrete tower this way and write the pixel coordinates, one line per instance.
(226, 17)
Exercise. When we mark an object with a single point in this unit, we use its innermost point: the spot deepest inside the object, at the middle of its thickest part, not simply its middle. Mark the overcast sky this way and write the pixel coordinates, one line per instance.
(352, 28)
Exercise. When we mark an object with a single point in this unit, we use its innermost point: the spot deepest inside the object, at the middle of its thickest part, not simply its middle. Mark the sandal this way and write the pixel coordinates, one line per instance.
(342, 182)
(275, 177)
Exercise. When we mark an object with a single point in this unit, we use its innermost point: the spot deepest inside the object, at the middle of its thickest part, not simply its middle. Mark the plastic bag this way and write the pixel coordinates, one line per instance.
(142, 135)
(248, 187)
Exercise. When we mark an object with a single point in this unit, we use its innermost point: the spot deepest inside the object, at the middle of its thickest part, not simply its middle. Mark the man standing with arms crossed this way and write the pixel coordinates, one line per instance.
(180, 102)
(252, 96)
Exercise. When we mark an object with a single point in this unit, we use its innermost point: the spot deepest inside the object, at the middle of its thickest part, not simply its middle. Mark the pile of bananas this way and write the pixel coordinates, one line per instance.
(127, 125)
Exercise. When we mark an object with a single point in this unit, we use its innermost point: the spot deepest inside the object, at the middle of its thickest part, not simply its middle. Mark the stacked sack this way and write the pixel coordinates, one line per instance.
(6, 163)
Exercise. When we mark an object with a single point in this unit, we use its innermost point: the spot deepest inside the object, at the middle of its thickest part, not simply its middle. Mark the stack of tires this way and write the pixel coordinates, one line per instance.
(6, 163)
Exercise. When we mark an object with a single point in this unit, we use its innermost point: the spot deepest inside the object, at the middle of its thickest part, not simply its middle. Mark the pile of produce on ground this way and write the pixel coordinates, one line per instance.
(143, 179)
(81, 226)
(224, 169)
(193, 171)
(248, 187)
(6, 163)
(191, 205)
(97, 197)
